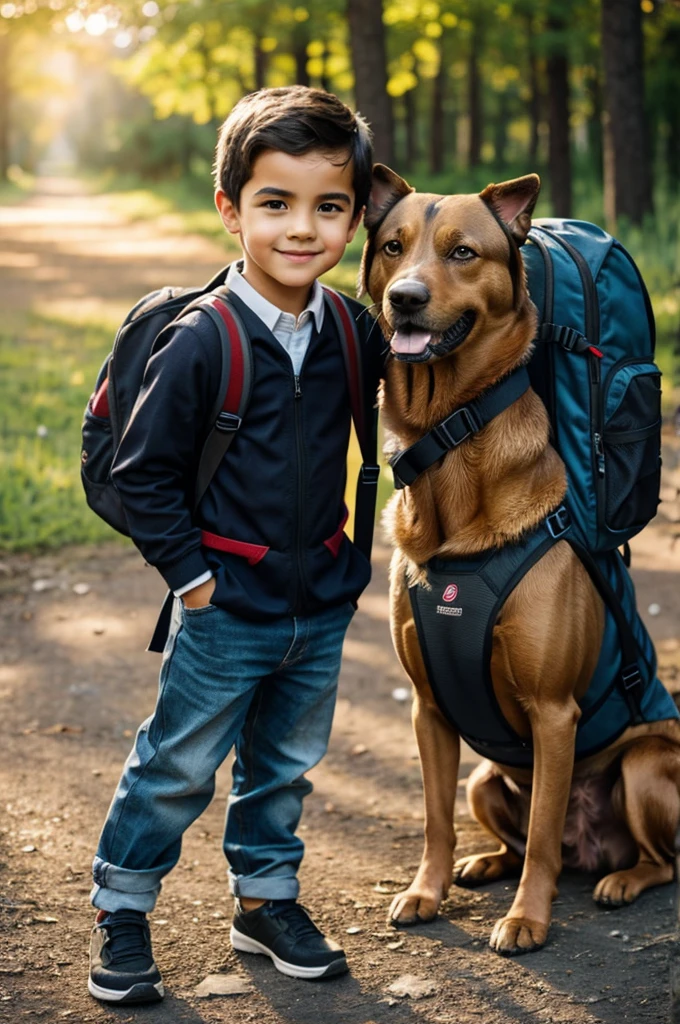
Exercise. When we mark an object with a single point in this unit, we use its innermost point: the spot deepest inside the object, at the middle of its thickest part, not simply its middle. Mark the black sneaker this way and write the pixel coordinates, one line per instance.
(122, 969)
(283, 931)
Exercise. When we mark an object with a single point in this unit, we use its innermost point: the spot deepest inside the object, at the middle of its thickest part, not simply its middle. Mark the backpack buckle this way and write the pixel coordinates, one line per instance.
(369, 475)
(452, 438)
(558, 522)
(227, 422)
(631, 676)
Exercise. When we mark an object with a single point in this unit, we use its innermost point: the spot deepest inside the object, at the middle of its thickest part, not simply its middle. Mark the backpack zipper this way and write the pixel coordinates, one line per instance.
(592, 331)
(546, 317)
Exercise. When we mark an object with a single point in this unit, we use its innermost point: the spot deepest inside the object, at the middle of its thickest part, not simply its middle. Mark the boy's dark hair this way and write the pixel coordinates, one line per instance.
(293, 120)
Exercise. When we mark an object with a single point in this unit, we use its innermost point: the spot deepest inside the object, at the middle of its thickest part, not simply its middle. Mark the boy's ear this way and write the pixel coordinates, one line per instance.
(514, 202)
(227, 212)
(386, 191)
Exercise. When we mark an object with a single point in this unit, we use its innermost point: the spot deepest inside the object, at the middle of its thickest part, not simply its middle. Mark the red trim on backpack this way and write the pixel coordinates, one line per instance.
(232, 399)
(254, 553)
(354, 388)
(333, 543)
(99, 405)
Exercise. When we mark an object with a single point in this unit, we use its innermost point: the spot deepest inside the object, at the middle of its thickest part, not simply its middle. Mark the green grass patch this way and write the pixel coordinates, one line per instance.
(47, 369)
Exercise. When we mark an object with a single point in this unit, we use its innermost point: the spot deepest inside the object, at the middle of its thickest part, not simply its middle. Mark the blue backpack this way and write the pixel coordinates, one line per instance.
(594, 368)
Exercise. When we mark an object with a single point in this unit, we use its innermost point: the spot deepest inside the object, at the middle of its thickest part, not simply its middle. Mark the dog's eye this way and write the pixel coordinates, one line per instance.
(393, 247)
(463, 252)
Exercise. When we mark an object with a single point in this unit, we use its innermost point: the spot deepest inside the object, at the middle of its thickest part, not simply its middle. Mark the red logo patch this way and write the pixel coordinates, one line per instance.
(451, 593)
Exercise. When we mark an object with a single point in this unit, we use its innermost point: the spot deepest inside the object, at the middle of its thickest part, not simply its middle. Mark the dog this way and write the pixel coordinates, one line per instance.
(449, 293)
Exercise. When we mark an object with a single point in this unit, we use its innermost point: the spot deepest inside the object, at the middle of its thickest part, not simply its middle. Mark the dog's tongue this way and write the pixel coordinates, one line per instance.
(410, 343)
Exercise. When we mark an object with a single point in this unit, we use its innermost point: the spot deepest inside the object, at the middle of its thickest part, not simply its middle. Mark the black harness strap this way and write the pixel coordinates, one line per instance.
(457, 427)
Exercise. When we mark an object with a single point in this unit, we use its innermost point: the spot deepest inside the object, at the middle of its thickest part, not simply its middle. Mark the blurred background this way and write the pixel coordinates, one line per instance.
(108, 119)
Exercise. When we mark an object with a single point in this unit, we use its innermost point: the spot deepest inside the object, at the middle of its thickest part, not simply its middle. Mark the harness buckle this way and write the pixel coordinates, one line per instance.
(369, 474)
(558, 522)
(446, 438)
(228, 422)
(631, 676)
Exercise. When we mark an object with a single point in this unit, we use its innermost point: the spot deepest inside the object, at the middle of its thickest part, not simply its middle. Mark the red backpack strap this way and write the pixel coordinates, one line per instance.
(365, 417)
(233, 395)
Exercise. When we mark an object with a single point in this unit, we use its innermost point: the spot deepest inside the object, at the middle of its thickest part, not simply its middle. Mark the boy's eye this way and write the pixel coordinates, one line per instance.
(330, 208)
(275, 204)
(393, 247)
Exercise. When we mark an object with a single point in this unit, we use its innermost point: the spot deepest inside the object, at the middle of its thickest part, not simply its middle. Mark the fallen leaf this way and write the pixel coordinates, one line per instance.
(414, 987)
(222, 985)
(59, 727)
(45, 920)
(396, 945)
(354, 930)
(28, 849)
(359, 748)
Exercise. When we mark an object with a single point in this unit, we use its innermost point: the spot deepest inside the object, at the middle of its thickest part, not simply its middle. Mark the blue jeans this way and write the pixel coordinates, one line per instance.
(266, 687)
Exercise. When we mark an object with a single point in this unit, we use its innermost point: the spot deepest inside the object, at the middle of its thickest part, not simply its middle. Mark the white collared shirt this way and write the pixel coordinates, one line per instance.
(294, 335)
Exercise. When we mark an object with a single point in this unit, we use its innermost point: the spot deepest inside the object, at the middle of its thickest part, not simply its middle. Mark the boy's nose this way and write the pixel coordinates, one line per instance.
(302, 228)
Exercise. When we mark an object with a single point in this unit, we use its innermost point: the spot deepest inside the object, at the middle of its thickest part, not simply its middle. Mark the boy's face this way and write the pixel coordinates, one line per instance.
(294, 219)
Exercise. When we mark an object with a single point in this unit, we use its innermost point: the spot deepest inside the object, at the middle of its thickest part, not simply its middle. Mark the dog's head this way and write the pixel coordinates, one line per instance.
(442, 268)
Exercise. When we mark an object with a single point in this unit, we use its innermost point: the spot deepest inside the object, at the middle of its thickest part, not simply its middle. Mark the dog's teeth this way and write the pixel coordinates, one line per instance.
(410, 342)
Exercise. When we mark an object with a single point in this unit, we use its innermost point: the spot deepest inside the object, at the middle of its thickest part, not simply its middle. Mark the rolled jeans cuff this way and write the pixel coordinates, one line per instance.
(264, 887)
(121, 889)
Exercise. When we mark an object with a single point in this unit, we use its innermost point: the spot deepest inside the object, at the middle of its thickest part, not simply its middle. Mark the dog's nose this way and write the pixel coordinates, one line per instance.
(408, 294)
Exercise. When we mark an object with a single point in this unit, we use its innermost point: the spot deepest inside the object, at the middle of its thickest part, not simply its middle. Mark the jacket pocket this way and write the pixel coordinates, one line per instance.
(631, 444)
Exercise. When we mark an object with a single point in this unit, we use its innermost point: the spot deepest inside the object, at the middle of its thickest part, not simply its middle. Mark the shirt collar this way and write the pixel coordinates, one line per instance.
(266, 310)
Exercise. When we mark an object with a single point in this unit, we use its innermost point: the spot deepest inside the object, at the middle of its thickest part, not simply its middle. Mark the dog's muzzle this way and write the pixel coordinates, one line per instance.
(414, 345)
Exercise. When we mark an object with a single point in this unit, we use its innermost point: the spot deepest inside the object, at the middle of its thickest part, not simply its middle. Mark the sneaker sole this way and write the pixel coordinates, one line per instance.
(244, 944)
(144, 992)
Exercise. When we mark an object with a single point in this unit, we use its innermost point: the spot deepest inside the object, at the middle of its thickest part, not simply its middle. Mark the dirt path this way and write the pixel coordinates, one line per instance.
(75, 682)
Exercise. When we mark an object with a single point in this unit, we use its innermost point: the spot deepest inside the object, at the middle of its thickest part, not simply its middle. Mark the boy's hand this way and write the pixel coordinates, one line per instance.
(200, 596)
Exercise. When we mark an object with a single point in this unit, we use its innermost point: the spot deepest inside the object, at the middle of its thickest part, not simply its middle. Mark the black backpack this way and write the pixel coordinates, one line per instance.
(120, 378)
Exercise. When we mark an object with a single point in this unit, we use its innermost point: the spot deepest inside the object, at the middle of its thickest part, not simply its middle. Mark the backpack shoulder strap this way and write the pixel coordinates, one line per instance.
(365, 417)
(233, 394)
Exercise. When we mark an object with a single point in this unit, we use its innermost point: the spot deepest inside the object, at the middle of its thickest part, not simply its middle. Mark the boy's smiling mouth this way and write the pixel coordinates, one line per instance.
(297, 255)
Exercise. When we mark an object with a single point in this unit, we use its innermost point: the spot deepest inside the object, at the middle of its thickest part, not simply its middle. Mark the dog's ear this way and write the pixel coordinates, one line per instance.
(514, 202)
(387, 189)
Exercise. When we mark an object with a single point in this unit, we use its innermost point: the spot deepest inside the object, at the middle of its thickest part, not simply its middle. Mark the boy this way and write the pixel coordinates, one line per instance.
(263, 602)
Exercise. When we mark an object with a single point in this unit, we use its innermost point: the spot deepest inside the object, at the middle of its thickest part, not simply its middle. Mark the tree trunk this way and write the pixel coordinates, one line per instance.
(622, 49)
(534, 94)
(437, 138)
(500, 135)
(411, 126)
(260, 64)
(300, 43)
(608, 174)
(595, 140)
(369, 58)
(475, 97)
(559, 151)
(4, 105)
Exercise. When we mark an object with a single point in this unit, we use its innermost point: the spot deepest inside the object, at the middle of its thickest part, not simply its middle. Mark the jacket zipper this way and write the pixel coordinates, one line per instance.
(300, 591)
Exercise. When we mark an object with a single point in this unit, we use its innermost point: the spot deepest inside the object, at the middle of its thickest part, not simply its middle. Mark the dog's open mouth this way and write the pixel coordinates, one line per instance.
(414, 345)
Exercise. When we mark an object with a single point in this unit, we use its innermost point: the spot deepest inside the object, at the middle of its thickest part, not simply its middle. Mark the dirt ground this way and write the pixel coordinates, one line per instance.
(75, 682)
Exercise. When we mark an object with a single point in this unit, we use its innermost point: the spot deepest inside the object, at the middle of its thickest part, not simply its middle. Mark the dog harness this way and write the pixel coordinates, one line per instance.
(455, 616)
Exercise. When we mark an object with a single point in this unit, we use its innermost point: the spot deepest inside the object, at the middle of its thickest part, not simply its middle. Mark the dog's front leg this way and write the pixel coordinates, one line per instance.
(439, 748)
(525, 927)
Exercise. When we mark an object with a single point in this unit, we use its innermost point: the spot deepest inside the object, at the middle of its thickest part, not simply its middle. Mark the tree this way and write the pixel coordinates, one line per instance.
(622, 49)
(369, 57)
(559, 151)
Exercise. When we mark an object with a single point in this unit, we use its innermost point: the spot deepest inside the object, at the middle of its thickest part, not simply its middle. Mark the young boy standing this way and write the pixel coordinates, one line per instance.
(262, 601)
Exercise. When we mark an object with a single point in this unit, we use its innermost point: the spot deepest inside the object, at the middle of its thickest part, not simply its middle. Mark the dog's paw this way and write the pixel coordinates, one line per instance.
(479, 869)
(512, 936)
(413, 906)
(622, 887)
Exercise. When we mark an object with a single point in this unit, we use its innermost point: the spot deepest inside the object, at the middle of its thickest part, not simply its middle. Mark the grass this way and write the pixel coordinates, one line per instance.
(47, 368)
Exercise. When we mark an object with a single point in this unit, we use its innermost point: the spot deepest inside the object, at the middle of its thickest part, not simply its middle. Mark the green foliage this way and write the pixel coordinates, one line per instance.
(47, 367)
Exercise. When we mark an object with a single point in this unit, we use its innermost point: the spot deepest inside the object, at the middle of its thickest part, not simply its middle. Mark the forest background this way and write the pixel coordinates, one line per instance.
(127, 97)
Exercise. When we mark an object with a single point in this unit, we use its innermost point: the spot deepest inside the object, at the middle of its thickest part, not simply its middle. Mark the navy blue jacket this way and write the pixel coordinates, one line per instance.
(280, 485)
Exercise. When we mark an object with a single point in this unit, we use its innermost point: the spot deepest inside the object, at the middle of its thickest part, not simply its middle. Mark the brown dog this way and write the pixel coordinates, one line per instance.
(431, 262)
